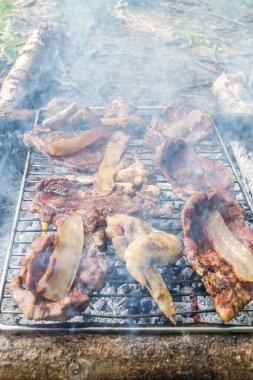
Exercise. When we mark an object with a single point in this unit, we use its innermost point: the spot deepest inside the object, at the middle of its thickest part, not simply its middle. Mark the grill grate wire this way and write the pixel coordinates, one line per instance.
(122, 306)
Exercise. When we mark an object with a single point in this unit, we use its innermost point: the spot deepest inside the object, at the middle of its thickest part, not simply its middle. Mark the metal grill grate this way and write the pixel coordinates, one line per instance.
(122, 306)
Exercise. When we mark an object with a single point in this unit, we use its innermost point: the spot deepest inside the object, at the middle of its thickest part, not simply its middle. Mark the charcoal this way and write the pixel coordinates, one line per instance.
(147, 305)
(133, 305)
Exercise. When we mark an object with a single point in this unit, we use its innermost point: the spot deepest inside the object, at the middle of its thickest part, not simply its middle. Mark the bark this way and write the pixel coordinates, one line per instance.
(132, 357)
(10, 119)
(26, 76)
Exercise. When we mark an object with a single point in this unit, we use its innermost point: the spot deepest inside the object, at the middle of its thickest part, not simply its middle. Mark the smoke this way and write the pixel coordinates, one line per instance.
(151, 53)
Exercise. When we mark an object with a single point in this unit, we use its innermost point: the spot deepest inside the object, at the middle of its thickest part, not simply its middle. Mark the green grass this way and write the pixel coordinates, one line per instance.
(190, 40)
(10, 44)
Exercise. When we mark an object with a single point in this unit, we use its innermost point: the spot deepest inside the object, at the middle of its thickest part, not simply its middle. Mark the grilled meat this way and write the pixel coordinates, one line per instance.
(58, 198)
(87, 159)
(90, 277)
(119, 115)
(105, 178)
(58, 138)
(136, 173)
(179, 120)
(64, 261)
(66, 146)
(189, 172)
(208, 253)
(71, 116)
(143, 249)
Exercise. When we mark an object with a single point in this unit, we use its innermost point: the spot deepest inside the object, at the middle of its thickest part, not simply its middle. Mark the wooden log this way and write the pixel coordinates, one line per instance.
(232, 93)
(133, 357)
(10, 119)
(25, 77)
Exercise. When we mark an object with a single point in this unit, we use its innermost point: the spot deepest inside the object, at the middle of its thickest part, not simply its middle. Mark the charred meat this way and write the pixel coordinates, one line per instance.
(58, 198)
(219, 246)
(179, 120)
(144, 249)
(189, 172)
(90, 277)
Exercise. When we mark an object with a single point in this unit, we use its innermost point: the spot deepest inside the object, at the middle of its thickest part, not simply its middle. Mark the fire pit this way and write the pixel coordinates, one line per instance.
(122, 306)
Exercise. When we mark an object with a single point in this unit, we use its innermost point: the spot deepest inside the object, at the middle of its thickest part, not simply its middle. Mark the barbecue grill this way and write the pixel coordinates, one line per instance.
(122, 306)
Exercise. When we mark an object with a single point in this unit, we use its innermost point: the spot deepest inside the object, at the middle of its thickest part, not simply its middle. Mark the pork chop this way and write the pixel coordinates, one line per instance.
(189, 172)
(87, 159)
(179, 120)
(57, 198)
(90, 277)
(220, 277)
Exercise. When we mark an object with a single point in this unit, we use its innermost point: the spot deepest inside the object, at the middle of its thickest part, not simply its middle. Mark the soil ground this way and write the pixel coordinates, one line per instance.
(149, 52)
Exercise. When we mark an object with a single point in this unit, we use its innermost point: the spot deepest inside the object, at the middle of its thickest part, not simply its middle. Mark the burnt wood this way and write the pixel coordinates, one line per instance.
(30, 74)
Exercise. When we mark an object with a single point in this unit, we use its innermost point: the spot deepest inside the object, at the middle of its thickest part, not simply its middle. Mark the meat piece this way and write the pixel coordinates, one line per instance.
(56, 105)
(153, 191)
(58, 121)
(189, 172)
(134, 176)
(230, 292)
(91, 277)
(71, 116)
(144, 248)
(57, 198)
(58, 138)
(64, 261)
(119, 115)
(137, 174)
(179, 120)
(84, 115)
(67, 146)
(36, 261)
(87, 159)
(107, 171)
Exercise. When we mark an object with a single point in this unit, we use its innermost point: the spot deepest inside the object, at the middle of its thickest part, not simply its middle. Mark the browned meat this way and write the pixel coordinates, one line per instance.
(119, 115)
(58, 138)
(57, 198)
(230, 292)
(91, 277)
(144, 249)
(87, 159)
(189, 172)
(71, 116)
(179, 120)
